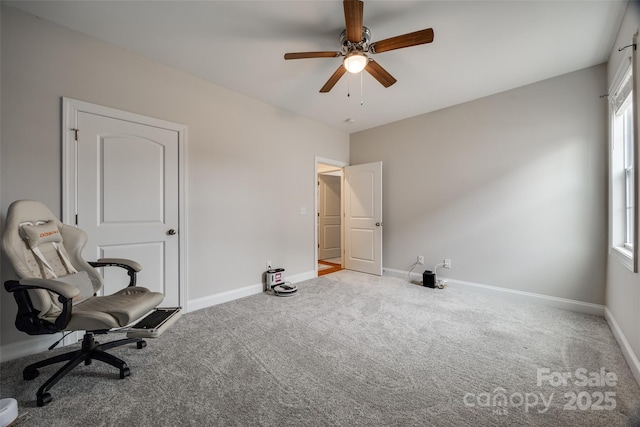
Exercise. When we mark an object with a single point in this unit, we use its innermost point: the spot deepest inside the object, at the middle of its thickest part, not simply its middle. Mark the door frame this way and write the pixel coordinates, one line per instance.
(324, 180)
(336, 163)
(70, 109)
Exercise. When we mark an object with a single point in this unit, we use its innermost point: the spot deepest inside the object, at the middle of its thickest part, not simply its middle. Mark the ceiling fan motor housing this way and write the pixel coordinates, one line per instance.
(361, 46)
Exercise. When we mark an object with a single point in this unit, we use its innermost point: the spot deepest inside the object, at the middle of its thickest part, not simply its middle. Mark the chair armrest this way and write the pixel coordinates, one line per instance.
(63, 289)
(27, 319)
(132, 267)
(118, 262)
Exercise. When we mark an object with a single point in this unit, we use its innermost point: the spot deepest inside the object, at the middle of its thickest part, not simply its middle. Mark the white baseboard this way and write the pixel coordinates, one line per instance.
(400, 273)
(297, 278)
(549, 301)
(627, 351)
(28, 347)
(211, 300)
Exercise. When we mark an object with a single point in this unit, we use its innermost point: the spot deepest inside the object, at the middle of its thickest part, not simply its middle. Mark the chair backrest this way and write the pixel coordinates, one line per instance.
(38, 245)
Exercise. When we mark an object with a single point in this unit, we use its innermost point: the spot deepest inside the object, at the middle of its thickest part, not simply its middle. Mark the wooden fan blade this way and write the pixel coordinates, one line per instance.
(353, 11)
(302, 55)
(333, 79)
(405, 40)
(380, 74)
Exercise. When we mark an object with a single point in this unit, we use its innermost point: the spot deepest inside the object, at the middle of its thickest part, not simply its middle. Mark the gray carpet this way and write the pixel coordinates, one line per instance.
(350, 350)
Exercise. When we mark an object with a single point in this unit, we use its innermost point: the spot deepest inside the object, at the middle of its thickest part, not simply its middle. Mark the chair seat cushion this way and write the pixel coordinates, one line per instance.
(114, 311)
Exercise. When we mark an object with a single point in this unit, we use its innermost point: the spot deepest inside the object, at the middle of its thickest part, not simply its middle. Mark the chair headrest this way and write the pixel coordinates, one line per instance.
(14, 239)
(36, 235)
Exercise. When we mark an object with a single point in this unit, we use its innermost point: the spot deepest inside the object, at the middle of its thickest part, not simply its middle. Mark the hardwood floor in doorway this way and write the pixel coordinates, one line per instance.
(326, 267)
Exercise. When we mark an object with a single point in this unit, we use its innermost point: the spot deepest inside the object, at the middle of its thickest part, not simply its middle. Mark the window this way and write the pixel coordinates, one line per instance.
(627, 118)
(623, 169)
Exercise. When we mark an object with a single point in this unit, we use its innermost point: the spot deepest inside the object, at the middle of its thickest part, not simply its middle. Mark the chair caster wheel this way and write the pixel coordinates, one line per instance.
(141, 344)
(29, 375)
(44, 399)
(124, 372)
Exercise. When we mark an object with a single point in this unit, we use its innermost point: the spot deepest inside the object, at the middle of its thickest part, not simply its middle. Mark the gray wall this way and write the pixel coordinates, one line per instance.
(511, 187)
(623, 286)
(250, 165)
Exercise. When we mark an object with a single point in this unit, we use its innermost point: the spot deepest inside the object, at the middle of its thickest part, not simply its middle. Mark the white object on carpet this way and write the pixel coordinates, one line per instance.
(8, 411)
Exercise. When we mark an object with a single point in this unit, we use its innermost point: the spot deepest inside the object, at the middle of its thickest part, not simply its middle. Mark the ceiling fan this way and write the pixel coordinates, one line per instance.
(356, 43)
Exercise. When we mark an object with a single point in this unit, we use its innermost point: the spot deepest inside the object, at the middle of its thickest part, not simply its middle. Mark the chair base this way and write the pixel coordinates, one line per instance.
(91, 350)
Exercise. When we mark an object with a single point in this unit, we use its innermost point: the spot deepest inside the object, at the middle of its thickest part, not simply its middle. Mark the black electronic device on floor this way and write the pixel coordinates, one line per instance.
(429, 279)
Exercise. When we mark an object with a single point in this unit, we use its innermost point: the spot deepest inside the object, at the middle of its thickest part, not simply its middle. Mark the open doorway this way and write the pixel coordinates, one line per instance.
(329, 208)
(329, 219)
(360, 217)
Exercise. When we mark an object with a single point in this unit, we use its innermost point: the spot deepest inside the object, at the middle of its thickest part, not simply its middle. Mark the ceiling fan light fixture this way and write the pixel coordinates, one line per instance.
(355, 42)
(355, 62)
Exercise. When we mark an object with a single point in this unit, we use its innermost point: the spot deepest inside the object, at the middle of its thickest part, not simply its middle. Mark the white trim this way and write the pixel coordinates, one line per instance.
(546, 300)
(627, 351)
(623, 67)
(222, 297)
(234, 294)
(70, 109)
(400, 273)
(27, 348)
(301, 277)
(183, 185)
(339, 164)
(624, 256)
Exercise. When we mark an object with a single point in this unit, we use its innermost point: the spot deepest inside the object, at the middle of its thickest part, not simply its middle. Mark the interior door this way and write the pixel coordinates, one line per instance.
(363, 218)
(329, 218)
(127, 187)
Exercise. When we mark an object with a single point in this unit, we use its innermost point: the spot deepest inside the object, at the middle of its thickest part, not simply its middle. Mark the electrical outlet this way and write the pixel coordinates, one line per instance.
(447, 263)
(420, 259)
(268, 265)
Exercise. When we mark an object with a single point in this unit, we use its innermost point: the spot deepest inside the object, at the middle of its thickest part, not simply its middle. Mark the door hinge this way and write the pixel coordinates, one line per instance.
(76, 219)
(75, 131)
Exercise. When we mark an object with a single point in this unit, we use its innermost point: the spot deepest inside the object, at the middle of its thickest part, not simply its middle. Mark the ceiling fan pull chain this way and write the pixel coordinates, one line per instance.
(361, 90)
(348, 85)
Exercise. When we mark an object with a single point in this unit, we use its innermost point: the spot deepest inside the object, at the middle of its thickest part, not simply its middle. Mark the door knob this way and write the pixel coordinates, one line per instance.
(378, 224)
(171, 232)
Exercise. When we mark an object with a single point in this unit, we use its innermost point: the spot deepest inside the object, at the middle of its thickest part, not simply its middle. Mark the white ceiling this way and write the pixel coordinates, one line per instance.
(480, 47)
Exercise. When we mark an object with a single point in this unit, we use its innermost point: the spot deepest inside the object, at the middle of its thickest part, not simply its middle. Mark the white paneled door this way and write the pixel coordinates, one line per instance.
(127, 199)
(363, 218)
(329, 218)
